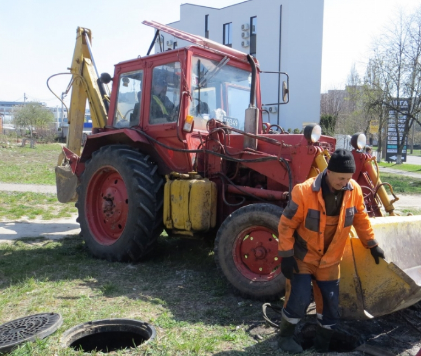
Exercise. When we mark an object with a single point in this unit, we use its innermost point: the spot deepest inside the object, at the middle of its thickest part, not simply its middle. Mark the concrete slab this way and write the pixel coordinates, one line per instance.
(34, 188)
(50, 229)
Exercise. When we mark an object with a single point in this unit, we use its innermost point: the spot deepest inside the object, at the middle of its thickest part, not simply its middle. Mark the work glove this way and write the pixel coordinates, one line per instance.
(288, 265)
(377, 252)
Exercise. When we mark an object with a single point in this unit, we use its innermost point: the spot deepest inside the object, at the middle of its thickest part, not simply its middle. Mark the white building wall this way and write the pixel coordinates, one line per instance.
(301, 48)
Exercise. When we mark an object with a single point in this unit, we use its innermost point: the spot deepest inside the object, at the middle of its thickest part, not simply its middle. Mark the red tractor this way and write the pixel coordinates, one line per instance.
(180, 144)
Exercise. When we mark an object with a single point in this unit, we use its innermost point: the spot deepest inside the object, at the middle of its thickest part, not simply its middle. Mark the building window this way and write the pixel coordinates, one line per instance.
(207, 26)
(228, 34)
(253, 35)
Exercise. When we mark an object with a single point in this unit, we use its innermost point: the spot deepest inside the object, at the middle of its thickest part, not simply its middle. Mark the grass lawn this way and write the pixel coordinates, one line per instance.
(18, 205)
(402, 167)
(402, 184)
(27, 165)
(415, 153)
(178, 290)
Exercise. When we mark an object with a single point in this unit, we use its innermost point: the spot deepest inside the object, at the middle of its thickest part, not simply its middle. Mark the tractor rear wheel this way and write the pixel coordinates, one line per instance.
(246, 251)
(120, 204)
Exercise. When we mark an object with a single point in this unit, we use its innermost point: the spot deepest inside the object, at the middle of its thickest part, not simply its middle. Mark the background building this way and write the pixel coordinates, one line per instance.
(284, 35)
(6, 111)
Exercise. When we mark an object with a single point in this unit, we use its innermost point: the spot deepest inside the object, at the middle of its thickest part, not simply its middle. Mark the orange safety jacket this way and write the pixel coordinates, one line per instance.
(303, 223)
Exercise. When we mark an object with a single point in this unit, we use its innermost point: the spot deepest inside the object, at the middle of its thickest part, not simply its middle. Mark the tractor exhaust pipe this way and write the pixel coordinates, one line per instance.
(252, 112)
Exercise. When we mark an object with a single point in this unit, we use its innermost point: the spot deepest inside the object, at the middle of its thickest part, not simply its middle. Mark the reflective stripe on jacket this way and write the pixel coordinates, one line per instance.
(160, 104)
(303, 222)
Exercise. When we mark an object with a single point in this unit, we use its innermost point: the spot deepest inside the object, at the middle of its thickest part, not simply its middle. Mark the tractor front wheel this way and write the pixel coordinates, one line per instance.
(120, 204)
(246, 251)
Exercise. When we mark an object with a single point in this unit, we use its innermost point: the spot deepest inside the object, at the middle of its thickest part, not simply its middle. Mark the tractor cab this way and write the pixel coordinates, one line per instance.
(172, 96)
(164, 88)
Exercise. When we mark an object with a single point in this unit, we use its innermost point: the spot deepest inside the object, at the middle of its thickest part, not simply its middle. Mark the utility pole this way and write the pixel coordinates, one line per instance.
(24, 98)
(63, 95)
(62, 109)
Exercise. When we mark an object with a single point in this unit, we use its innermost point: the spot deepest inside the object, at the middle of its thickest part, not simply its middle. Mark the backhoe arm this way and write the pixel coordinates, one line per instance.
(85, 86)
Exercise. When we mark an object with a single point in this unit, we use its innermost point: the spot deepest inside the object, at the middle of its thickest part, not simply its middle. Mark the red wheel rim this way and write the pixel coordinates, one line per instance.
(255, 254)
(107, 205)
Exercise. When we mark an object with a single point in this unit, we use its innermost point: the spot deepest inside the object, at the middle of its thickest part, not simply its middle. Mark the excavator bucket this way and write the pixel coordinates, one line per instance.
(66, 183)
(369, 290)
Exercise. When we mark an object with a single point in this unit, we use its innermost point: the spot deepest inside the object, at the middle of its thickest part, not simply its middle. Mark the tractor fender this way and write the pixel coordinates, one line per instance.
(123, 136)
(68, 178)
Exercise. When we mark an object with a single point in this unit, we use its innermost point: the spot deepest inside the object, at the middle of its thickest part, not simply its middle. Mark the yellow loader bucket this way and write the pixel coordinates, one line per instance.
(368, 290)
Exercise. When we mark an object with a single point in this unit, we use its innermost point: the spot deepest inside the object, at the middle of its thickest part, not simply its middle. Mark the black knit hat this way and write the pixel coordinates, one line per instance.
(341, 161)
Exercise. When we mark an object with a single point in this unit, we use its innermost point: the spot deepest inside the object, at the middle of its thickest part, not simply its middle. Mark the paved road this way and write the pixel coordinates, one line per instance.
(50, 229)
(413, 160)
(34, 188)
(397, 171)
(409, 160)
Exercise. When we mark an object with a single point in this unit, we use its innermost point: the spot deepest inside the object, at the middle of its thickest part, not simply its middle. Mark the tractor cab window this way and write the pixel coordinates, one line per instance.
(165, 93)
(127, 111)
(219, 91)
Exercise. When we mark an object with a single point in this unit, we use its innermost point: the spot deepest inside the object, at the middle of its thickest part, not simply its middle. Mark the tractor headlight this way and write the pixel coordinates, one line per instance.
(358, 141)
(312, 133)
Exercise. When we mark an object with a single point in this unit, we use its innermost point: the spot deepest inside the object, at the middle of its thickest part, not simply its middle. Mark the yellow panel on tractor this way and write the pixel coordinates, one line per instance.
(189, 203)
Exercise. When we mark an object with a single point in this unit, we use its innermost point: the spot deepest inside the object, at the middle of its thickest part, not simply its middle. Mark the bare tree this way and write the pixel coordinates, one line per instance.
(354, 115)
(397, 64)
(372, 101)
(352, 118)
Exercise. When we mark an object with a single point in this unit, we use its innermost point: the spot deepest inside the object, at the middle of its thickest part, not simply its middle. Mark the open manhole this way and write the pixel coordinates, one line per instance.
(108, 335)
(28, 328)
(344, 339)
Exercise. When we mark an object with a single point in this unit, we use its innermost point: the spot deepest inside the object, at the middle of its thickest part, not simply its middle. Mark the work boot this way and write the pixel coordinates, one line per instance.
(286, 341)
(322, 341)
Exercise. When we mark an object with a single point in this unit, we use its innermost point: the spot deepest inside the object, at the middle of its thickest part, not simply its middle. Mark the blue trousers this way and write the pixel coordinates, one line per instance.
(299, 297)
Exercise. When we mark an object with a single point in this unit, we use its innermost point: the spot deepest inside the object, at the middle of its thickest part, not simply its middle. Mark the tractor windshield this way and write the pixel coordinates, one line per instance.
(219, 91)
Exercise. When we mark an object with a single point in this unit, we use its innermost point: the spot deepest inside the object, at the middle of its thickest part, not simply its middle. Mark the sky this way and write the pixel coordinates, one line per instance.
(37, 38)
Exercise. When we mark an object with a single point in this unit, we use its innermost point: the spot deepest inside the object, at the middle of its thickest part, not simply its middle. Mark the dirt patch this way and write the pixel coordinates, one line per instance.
(395, 334)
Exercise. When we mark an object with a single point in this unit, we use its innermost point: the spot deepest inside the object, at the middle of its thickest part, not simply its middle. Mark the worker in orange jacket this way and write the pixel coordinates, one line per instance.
(313, 231)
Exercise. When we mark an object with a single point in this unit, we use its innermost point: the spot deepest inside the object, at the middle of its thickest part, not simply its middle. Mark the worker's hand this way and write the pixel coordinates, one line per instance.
(377, 252)
(288, 265)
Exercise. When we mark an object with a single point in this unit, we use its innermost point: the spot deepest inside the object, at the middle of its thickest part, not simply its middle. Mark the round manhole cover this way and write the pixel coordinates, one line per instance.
(29, 328)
